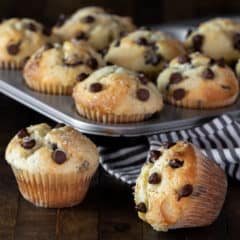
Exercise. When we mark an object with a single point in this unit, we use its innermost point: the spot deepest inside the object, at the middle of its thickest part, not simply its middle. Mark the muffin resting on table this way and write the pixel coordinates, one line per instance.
(56, 68)
(94, 25)
(196, 81)
(19, 38)
(53, 167)
(217, 38)
(115, 95)
(144, 50)
(179, 187)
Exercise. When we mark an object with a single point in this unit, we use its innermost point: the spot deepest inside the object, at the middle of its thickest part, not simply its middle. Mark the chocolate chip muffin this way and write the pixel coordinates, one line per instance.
(217, 38)
(179, 187)
(53, 166)
(196, 81)
(115, 95)
(19, 38)
(144, 50)
(94, 25)
(56, 68)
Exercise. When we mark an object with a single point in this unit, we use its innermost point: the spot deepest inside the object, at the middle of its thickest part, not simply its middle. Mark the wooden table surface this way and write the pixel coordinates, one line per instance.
(107, 211)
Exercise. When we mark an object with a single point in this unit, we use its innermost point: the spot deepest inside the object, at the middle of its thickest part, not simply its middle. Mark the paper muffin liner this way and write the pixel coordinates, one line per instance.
(52, 190)
(11, 65)
(98, 116)
(49, 88)
(197, 105)
(208, 196)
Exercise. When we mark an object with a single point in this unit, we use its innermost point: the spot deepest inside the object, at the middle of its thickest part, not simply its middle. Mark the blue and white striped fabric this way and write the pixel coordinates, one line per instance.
(219, 139)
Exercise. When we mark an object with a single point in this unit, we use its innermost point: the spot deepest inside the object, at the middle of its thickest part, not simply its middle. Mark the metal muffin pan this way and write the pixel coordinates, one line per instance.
(62, 109)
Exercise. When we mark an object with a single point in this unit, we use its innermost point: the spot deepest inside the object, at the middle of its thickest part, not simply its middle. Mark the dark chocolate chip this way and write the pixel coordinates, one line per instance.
(208, 74)
(82, 76)
(109, 63)
(143, 94)
(103, 51)
(122, 34)
(184, 59)
(28, 143)
(61, 20)
(154, 155)
(88, 19)
(141, 207)
(92, 63)
(175, 163)
(142, 41)
(153, 59)
(60, 125)
(154, 178)
(54, 146)
(179, 94)
(13, 49)
(59, 156)
(81, 36)
(47, 31)
(220, 62)
(189, 32)
(236, 41)
(197, 41)
(143, 78)
(48, 46)
(168, 145)
(226, 87)
(23, 133)
(95, 87)
(32, 27)
(175, 78)
(185, 191)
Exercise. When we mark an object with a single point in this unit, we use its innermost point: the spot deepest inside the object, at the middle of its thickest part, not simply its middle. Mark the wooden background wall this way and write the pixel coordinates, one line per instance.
(143, 11)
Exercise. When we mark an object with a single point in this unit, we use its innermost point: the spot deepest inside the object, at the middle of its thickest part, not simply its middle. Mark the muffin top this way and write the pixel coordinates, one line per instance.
(217, 38)
(144, 50)
(62, 64)
(94, 25)
(118, 91)
(19, 38)
(172, 187)
(39, 148)
(197, 81)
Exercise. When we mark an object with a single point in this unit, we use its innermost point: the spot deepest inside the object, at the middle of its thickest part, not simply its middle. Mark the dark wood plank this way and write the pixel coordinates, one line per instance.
(117, 216)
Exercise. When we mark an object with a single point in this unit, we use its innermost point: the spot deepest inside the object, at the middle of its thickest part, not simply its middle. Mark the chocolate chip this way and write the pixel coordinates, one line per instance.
(220, 62)
(61, 20)
(13, 49)
(179, 94)
(184, 59)
(154, 178)
(143, 94)
(197, 41)
(154, 155)
(175, 163)
(168, 145)
(175, 78)
(59, 156)
(32, 27)
(28, 143)
(92, 63)
(117, 43)
(142, 41)
(141, 207)
(143, 78)
(88, 19)
(189, 32)
(60, 125)
(185, 191)
(23, 133)
(48, 46)
(81, 36)
(82, 76)
(95, 87)
(236, 41)
(103, 51)
(109, 63)
(208, 74)
(47, 31)
(122, 34)
(153, 59)
(54, 146)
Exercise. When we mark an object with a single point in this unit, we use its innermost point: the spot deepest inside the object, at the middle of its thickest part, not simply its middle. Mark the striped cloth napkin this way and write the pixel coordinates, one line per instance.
(219, 139)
